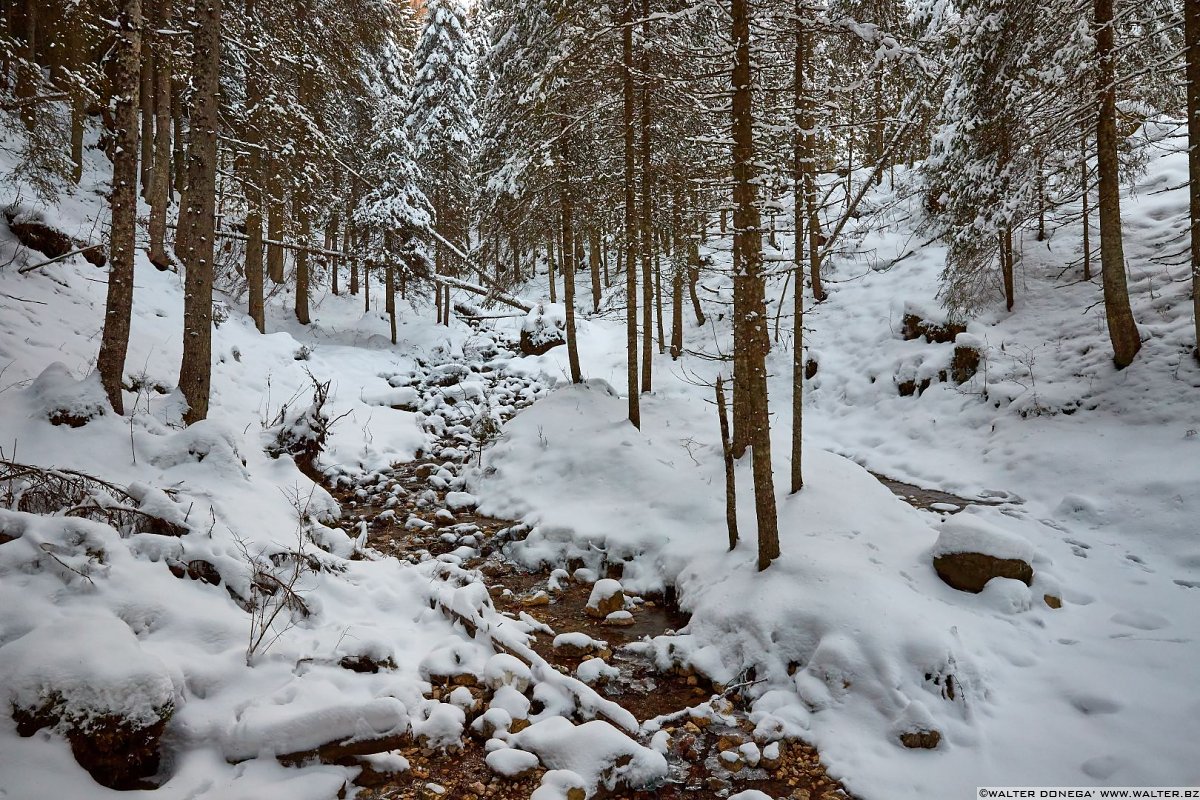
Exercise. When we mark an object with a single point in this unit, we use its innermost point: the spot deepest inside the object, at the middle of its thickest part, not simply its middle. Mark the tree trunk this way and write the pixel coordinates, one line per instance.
(750, 327)
(1191, 10)
(630, 248)
(196, 218)
(160, 179)
(693, 279)
(800, 166)
(332, 235)
(1006, 265)
(1121, 328)
(566, 205)
(677, 311)
(352, 239)
(275, 208)
(114, 343)
(254, 241)
(179, 138)
(647, 210)
(550, 269)
(731, 525)
(678, 243)
(389, 293)
(76, 44)
(300, 201)
(28, 74)
(658, 302)
(807, 134)
(146, 173)
(594, 265)
(1087, 212)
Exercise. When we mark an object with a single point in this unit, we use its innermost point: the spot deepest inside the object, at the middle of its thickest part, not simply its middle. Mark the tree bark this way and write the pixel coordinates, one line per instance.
(389, 293)
(731, 525)
(76, 44)
(1191, 10)
(694, 278)
(160, 178)
(1122, 330)
(354, 236)
(196, 219)
(630, 248)
(750, 326)
(594, 265)
(300, 200)
(566, 205)
(800, 166)
(146, 97)
(275, 223)
(550, 269)
(647, 209)
(1087, 212)
(114, 343)
(254, 241)
(1006, 264)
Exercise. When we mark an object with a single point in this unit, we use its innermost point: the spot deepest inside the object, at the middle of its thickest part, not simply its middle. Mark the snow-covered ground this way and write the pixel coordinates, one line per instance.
(1099, 469)
(852, 636)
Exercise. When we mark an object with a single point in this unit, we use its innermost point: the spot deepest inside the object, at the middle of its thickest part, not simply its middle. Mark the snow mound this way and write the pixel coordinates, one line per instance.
(511, 763)
(63, 400)
(304, 724)
(87, 666)
(592, 751)
(968, 533)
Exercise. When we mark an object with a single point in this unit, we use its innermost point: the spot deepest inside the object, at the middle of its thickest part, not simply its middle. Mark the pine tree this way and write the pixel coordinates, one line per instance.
(441, 122)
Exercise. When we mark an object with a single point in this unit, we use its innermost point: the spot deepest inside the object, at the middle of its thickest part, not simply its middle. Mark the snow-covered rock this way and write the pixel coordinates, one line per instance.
(64, 400)
(544, 328)
(512, 764)
(606, 597)
(970, 551)
(593, 751)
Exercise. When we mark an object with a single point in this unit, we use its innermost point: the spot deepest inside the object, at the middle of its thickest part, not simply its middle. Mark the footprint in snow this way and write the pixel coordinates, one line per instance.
(1187, 584)
(1092, 704)
(1138, 560)
(1142, 620)
(1101, 767)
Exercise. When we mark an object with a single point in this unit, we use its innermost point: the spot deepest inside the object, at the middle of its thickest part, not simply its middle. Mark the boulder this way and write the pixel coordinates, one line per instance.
(606, 598)
(544, 329)
(971, 551)
(965, 362)
(970, 572)
(111, 702)
(921, 739)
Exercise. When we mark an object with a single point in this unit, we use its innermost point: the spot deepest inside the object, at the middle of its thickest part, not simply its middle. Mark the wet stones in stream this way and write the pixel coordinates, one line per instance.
(583, 625)
(419, 511)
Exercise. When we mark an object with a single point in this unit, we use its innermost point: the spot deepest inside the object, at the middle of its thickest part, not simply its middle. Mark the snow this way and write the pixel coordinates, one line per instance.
(603, 590)
(46, 666)
(968, 533)
(58, 394)
(511, 763)
(590, 750)
(503, 669)
(595, 670)
(1089, 472)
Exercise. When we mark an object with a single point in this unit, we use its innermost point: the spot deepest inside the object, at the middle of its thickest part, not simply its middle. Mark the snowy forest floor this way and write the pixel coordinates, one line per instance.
(419, 627)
